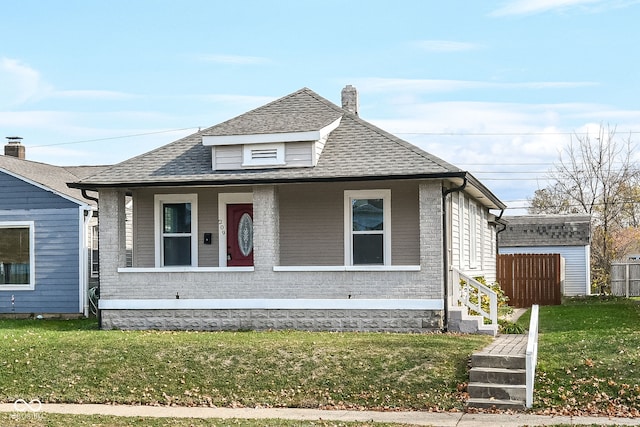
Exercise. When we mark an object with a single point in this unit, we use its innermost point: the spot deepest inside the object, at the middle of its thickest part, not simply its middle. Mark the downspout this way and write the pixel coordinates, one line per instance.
(445, 251)
(95, 199)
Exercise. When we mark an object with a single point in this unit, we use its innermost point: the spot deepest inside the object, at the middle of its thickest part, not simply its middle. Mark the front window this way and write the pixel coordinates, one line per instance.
(367, 214)
(16, 255)
(177, 242)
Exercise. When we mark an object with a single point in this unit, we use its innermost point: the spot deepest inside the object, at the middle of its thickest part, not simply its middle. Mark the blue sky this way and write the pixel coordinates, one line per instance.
(496, 87)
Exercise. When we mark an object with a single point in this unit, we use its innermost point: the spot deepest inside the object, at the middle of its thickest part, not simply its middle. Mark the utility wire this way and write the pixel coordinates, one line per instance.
(112, 137)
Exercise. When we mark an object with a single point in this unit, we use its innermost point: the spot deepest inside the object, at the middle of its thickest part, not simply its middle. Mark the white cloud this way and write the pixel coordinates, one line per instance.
(530, 7)
(444, 46)
(233, 59)
(20, 83)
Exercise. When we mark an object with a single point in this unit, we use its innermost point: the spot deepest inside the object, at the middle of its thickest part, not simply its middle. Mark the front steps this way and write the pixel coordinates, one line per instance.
(497, 378)
(461, 321)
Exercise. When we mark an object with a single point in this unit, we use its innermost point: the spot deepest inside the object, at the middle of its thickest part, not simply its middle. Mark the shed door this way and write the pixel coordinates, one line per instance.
(240, 235)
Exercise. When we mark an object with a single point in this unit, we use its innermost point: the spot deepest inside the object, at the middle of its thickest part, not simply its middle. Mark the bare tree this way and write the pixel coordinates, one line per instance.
(595, 175)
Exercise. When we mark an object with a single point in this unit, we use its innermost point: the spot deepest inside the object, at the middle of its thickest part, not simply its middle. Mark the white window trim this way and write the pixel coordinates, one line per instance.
(349, 195)
(32, 255)
(159, 200)
(225, 199)
(248, 161)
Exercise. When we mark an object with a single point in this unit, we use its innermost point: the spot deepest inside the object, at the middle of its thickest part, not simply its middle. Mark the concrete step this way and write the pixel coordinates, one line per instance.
(485, 360)
(515, 405)
(498, 376)
(461, 321)
(484, 329)
(497, 391)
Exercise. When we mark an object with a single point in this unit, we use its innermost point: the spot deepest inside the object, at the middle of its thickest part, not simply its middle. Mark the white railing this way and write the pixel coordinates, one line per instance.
(532, 353)
(466, 287)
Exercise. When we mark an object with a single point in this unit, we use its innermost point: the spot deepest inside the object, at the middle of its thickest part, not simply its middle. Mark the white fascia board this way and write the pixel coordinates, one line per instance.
(272, 304)
(269, 138)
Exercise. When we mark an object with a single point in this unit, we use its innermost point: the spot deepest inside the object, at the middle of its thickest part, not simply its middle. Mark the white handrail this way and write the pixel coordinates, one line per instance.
(532, 353)
(461, 295)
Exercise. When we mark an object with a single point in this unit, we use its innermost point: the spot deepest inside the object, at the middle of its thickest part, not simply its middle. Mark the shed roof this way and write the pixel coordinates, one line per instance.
(546, 230)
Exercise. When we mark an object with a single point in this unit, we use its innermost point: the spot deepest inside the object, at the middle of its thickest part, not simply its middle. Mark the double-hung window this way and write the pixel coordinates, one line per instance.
(17, 268)
(367, 227)
(176, 230)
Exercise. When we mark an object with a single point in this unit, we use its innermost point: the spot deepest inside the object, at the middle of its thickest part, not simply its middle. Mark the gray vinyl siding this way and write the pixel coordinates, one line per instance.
(57, 260)
(460, 243)
(227, 157)
(18, 194)
(144, 228)
(312, 223)
(577, 276)
(299, 154)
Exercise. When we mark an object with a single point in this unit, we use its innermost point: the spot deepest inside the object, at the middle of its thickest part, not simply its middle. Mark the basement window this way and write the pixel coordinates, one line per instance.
(263, 155)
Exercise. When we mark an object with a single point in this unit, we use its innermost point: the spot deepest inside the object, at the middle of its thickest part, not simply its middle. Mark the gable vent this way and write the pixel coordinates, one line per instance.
(264, 153)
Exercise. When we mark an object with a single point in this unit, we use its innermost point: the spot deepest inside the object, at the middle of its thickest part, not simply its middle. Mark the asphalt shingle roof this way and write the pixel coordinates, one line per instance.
(50, 176)
(546, 230)
(355, 149)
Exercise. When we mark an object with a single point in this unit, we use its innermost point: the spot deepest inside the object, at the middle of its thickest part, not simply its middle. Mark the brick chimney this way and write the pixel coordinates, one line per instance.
(350, 99)
(14, 148)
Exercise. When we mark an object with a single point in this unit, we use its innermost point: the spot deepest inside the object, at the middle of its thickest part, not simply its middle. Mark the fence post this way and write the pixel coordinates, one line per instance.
(626, 281)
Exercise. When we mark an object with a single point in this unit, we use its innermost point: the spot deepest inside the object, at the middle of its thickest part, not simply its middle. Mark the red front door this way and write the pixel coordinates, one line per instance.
(240, 235)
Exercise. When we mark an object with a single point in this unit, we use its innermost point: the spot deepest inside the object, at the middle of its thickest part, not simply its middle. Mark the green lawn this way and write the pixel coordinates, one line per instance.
(72, 361)
(588, 362)
(589, 357)
(58, 420)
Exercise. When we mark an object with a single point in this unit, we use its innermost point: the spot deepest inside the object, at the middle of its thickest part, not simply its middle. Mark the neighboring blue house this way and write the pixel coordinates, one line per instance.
(46, 232)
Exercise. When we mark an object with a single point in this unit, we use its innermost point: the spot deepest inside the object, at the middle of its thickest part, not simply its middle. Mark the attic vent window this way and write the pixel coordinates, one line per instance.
(256, 155)
(264, 153)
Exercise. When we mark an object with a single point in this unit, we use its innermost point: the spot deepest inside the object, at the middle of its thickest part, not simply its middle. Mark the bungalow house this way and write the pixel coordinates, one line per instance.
(295, 215)
(47, 233)
(567, 235)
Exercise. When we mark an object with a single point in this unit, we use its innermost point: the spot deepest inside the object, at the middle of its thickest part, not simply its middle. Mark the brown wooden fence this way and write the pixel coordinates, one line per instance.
(531, 278)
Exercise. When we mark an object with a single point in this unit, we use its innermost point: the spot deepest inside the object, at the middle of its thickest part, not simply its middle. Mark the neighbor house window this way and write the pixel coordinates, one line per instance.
(367, 227)
(176, 230)
(93, 252)
(17, 267)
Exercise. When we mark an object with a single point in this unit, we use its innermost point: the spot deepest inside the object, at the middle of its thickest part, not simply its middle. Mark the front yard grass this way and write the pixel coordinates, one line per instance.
(72, 361)
(60, 420)
(589, 357)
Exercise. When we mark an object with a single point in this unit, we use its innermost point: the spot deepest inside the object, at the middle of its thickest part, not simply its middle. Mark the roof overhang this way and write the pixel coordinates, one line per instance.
(270, 138)
(474, 187)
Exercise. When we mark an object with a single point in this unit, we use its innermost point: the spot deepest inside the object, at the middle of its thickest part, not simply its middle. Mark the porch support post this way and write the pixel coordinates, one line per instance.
(111, 223)
(266, 228)
(431, 235)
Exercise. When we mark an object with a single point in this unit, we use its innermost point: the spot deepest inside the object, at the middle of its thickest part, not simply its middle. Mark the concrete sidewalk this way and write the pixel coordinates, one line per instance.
(446, 419)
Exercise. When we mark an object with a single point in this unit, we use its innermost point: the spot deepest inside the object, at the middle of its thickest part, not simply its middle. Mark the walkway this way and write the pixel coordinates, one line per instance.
(446, 419)
(507, 345)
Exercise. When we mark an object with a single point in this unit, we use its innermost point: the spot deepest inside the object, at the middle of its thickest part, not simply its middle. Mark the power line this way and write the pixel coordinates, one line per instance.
(505, 133)
(112, 137)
